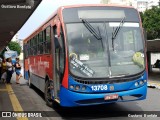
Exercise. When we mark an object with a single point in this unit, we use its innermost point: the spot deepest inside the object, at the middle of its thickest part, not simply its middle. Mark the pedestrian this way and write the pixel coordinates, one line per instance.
(9, 70)
(3, 77)
(4, 70)
(0, 67)
(18, 71)
(14, 64)
(4, 65)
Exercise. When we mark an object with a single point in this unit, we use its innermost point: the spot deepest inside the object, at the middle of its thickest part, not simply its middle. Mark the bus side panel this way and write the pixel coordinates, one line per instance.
(40, 67)
(48, 71)
(38, 81)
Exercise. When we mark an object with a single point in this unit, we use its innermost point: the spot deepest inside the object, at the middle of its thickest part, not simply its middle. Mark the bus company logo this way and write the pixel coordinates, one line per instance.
(6, 114)
(111, 87)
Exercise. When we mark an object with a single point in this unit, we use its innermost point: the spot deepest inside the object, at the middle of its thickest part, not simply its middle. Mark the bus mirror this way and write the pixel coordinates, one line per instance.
(58, 29)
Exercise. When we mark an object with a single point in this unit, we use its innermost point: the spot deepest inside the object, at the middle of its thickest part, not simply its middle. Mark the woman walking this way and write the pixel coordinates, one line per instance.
(9, 70)
(18, 71)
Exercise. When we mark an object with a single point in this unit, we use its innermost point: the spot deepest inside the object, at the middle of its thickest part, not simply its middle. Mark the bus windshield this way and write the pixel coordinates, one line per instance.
(90, 57)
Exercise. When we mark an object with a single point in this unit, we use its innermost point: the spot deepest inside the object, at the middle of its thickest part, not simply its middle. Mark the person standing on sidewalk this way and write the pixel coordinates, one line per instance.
(0, 67)
(9, 70)
(18, 70)
(4, 70)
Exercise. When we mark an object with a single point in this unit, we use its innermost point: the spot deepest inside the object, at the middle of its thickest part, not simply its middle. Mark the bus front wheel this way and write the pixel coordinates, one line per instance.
(48, 96)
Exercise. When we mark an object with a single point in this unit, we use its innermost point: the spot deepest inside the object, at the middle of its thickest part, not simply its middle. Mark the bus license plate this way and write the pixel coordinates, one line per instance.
(111, 97)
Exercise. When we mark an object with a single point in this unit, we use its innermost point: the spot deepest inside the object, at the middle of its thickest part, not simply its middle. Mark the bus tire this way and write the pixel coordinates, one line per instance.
(48, 95)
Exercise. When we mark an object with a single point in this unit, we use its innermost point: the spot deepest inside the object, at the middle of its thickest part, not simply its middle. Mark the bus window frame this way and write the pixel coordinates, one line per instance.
(40, 43)
(47, 50)
(35, 45)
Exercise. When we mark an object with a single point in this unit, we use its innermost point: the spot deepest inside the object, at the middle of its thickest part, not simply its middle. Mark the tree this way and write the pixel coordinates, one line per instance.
(15, 47)
(151, 22)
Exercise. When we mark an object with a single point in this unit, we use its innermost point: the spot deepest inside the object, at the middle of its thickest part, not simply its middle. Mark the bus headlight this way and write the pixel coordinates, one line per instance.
(71, 86)
(141, 82)
(77, 87)
(145, 80)
(136, 84)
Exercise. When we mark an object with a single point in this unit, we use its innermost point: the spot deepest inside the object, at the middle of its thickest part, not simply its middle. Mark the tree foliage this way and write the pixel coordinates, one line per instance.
(151, 22)
(15, 47)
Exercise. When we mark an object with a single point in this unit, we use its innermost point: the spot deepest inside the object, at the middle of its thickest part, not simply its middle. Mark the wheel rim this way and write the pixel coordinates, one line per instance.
(48, 93)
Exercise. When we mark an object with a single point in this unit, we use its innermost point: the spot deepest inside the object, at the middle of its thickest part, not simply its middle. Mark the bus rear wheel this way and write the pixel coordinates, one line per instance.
(48, 95)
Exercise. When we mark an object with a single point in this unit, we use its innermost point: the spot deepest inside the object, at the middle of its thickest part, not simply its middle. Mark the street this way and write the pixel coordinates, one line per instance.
(33, 100)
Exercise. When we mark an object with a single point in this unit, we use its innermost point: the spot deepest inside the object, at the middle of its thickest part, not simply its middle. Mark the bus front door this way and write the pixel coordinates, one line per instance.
(56, 65)
(57, 74)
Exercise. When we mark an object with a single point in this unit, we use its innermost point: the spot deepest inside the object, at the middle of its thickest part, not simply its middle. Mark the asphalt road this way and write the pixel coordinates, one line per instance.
(33, 100)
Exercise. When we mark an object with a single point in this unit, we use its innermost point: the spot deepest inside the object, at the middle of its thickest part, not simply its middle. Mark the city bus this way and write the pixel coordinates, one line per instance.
(88, 55)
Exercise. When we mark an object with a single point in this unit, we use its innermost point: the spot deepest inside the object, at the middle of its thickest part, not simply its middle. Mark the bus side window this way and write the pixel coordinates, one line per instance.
(47, 43)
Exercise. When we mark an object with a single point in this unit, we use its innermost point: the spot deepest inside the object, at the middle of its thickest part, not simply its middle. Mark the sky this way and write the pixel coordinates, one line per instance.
(43, 11)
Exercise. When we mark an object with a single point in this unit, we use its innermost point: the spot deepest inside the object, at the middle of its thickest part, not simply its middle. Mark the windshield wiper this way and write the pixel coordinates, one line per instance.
(91, 29)
(116, 31)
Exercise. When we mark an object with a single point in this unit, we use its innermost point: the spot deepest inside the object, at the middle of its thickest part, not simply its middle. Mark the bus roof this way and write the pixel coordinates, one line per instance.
(74, 6)
(94, 5)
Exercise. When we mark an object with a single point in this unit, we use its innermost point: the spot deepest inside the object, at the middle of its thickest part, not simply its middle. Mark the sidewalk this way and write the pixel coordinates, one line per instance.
(154, 78)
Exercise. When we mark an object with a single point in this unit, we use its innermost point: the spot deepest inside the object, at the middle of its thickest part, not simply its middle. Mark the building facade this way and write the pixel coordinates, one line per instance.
(140, 5)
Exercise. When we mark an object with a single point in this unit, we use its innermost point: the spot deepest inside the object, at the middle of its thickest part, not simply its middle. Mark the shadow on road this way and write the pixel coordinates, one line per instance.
(94, 112)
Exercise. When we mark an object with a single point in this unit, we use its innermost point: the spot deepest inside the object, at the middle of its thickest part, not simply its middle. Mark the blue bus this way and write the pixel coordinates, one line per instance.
(88, 55)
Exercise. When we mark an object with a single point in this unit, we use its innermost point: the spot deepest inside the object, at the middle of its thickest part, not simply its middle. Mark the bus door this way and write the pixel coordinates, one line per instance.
(58, 62)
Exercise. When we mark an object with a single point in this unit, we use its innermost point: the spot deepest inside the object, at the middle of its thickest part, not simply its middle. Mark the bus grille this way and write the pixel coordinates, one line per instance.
(110, 81)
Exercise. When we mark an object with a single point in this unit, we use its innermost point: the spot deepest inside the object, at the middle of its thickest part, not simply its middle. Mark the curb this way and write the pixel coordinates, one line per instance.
(154, 85)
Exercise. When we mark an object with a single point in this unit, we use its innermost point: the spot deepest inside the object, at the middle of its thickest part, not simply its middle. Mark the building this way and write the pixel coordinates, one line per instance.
(152, 3)
(15, 38)
(120, 2)
(140, 5)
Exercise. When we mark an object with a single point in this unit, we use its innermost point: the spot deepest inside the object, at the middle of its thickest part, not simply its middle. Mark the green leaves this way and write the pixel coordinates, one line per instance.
(15, 47)
(151, 22)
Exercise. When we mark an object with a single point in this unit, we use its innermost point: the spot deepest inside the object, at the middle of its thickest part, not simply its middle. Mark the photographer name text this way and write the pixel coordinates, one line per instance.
(16, 6)
(142, 115)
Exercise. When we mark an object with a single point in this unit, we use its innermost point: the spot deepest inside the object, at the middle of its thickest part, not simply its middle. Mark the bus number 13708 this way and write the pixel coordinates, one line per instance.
(99, 87)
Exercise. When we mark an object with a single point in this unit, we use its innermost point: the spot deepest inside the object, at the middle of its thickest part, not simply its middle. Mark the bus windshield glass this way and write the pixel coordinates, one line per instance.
(90, 57)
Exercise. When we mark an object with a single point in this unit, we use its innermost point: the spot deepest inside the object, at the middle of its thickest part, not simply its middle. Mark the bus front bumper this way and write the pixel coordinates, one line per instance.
(70, 99)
